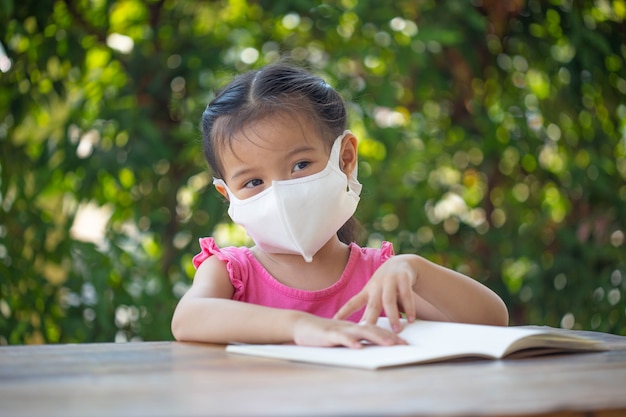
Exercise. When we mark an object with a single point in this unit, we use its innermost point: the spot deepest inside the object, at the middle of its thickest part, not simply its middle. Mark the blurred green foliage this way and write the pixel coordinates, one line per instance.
(492, 140)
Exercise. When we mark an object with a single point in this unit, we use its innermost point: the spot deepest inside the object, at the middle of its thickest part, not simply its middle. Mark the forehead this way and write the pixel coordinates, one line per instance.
(280, 132)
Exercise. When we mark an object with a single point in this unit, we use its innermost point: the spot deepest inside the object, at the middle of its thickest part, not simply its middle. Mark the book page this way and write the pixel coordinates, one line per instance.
(481, 340)
(491, 341)
(368, 357)
(429, 342)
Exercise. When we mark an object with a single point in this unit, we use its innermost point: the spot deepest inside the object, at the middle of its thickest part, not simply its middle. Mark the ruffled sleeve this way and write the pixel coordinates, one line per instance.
(231, 256)
(386, 251)
(208, 248)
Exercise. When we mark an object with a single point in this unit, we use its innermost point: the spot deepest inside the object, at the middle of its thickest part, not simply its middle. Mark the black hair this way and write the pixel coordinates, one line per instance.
(270, 91)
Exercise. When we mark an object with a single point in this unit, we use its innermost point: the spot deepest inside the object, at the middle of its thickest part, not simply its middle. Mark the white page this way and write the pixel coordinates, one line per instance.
(369, 357)
(429, 341)
(482, 340)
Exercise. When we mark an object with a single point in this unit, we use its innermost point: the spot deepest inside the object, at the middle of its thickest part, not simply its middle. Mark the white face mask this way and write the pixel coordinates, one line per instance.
(299, 216)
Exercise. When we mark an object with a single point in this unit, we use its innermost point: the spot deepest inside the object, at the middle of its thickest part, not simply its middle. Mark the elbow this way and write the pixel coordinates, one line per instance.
(500, 314)
(177, 328)
(177, 333)
(493, 313)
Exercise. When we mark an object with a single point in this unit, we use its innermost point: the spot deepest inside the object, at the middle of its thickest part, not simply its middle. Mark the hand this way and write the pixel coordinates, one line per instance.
(311, 330)
(390, 289)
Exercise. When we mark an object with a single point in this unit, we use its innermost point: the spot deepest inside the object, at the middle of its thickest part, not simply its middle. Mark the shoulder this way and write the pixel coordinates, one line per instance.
(211, 280)
(374, 254)
(229, 267)
(369, 258)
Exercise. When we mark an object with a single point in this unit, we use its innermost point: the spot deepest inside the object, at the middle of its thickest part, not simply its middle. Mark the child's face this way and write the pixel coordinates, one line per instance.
(274, 149)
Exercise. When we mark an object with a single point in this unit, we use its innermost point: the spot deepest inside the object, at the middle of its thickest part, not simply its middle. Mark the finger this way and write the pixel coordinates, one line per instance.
(379, 336)
(353, 304)
(407, 301)
(390, 305)
(372, 311)
(350, 341)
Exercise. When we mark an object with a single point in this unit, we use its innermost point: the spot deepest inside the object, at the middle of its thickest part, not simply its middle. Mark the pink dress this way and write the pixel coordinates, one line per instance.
(254, 284)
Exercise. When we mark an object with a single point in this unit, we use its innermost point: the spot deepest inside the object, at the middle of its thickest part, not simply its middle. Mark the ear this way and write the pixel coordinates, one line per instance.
(348, 155)
(222, 190)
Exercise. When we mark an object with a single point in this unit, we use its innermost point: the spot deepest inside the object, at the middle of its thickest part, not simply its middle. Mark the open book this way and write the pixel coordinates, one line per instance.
(431, 341)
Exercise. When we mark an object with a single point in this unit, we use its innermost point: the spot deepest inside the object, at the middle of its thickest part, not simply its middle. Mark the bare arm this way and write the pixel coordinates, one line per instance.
(423, 289)
(206, 313)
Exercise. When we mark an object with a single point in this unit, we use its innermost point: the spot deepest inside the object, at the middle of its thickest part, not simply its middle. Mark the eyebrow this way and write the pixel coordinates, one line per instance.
(301, 149)
(240, 173)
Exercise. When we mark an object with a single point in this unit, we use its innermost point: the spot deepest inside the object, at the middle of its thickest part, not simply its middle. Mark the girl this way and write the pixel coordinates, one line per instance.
(277, 143)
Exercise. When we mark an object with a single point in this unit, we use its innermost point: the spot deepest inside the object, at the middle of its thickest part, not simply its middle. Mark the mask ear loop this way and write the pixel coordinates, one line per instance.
(221, 187)
(353, 183)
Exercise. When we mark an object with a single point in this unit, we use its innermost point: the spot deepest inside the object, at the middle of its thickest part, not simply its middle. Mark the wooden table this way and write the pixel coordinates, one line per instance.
(180, 379)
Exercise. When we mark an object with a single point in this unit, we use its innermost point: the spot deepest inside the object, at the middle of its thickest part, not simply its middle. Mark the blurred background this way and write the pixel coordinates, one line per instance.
(492, 141)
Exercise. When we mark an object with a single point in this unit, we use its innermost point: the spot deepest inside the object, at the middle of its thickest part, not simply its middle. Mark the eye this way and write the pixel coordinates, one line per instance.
(253, 183)
(299, 166)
